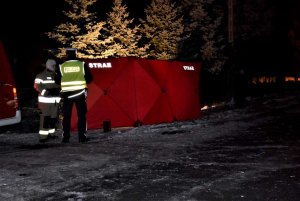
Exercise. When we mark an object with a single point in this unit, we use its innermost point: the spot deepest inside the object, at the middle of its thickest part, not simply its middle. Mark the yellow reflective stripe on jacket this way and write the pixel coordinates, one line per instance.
(73, 83)
(40, 81)
(43, 132)
(43, 99)
(73, 88)
(48, 81)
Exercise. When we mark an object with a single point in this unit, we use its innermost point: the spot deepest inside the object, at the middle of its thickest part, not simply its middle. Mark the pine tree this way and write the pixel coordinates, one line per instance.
(163, 29)
(204, 20)
(94, 44)
(78, 20)
(125, 34)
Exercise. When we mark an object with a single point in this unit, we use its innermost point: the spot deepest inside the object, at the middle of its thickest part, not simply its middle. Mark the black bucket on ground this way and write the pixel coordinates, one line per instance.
(106, 126)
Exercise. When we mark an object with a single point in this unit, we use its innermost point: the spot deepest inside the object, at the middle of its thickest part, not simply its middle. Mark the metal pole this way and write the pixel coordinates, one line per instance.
(230, 22)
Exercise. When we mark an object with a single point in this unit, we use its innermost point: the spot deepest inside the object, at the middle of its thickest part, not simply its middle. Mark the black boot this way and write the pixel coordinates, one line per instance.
(43, 140)
(83, 138)
(65, 139)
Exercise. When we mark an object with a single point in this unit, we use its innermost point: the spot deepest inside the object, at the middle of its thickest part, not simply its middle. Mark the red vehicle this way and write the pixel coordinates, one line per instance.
(10, 112)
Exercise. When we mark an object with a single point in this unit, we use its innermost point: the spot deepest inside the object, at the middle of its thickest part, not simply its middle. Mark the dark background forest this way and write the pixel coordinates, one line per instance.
(265, 40)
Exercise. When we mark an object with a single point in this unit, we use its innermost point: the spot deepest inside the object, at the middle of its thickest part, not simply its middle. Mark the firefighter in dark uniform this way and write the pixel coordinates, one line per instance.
(75, 76)
(48, 100)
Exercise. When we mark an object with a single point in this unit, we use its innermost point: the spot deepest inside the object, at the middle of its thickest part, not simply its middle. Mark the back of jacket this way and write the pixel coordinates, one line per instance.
(45, 85)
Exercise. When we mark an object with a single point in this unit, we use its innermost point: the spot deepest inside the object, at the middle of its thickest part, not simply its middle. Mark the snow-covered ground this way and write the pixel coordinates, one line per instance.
(249, 153)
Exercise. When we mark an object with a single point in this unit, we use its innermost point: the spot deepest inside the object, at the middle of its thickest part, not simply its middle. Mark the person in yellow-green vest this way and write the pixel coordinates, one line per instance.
(75, 75)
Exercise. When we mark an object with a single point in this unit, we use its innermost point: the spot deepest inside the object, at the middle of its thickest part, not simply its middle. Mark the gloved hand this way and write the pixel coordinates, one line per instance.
(44, 92)
(86, 93)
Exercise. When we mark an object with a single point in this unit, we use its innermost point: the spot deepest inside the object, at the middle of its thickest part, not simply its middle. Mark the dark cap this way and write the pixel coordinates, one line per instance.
(71, 53)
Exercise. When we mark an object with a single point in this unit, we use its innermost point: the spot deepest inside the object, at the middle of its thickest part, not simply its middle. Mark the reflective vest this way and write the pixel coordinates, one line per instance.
(72, 76)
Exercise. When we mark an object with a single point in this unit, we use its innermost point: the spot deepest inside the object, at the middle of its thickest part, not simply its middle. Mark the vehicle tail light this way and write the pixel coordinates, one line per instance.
(14, 102)
(15, 93)
(15, 97)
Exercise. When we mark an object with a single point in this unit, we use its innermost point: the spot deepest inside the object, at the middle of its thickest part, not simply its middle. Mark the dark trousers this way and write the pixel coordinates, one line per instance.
(48, 118)
(81, 108)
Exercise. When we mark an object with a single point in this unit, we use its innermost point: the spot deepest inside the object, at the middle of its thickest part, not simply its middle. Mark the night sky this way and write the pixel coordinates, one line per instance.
(23, 23)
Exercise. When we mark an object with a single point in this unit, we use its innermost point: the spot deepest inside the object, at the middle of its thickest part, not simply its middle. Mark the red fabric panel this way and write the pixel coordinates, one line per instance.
(111, 95)
(146, 90)
(122, 91)
(161, 111)
(133, 91)
(104, 76)
(183, 90)
(157, 69)
(109, 110)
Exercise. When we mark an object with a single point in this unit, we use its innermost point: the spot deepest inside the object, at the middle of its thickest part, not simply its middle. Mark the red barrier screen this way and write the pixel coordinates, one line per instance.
(135, 91)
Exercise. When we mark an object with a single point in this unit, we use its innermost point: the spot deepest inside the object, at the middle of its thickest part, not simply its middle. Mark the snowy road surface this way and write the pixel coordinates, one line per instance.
(234, 154)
